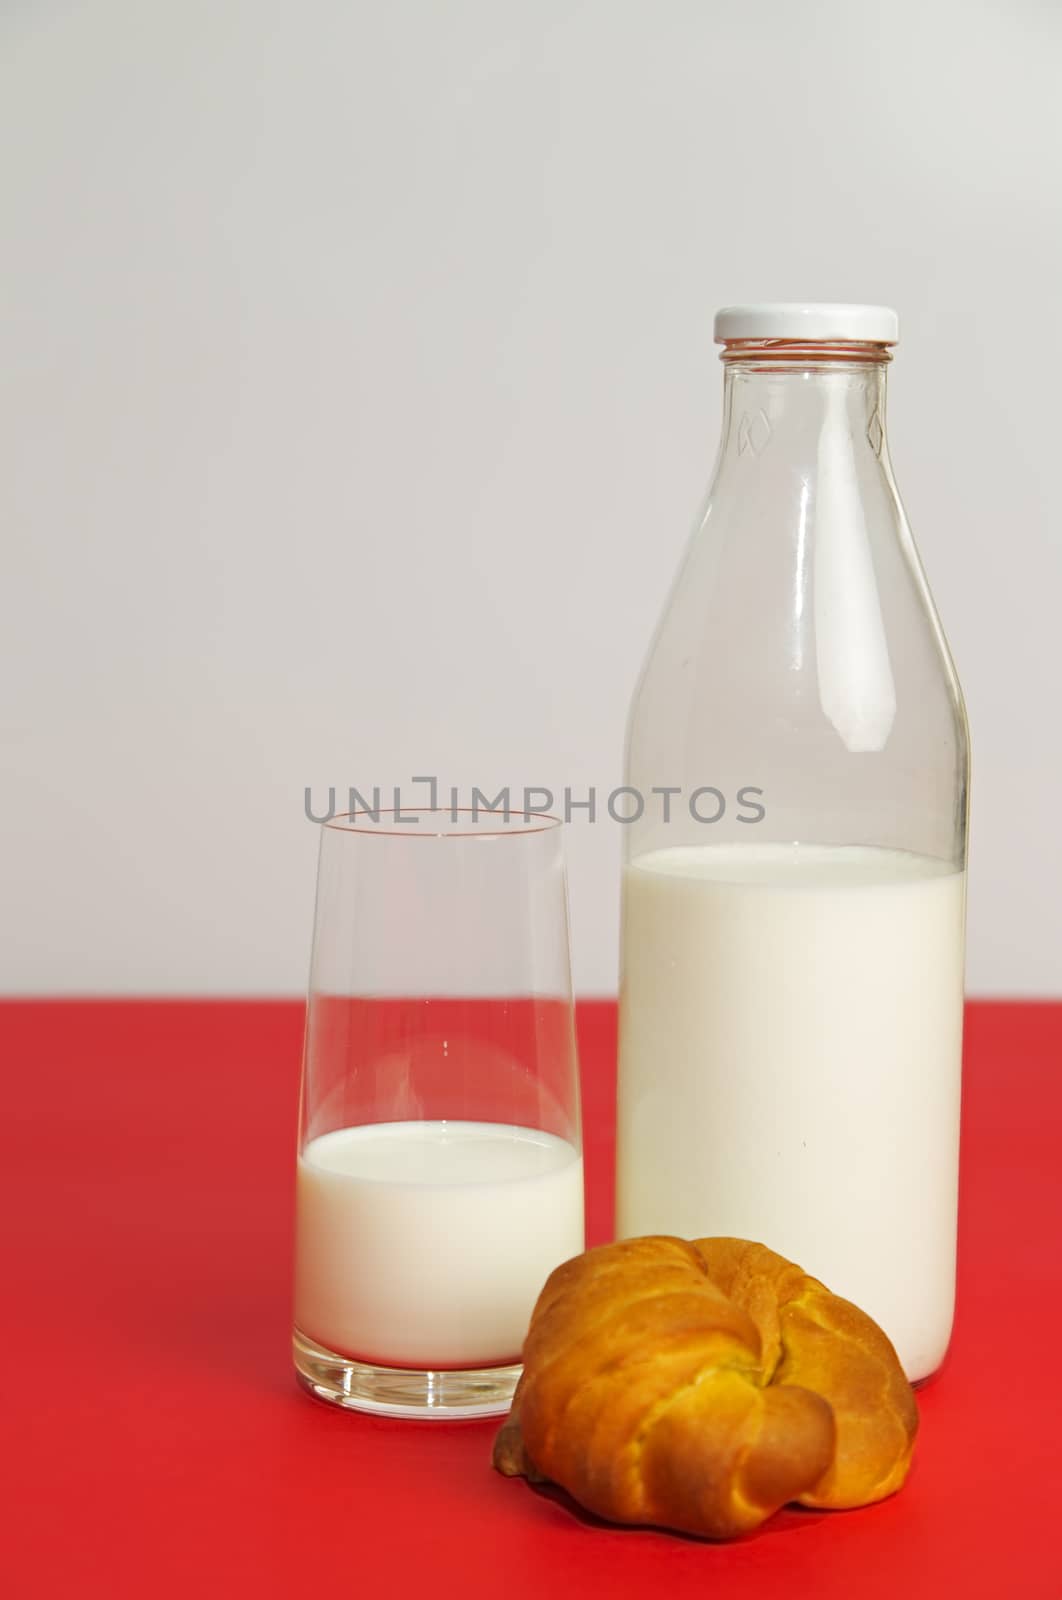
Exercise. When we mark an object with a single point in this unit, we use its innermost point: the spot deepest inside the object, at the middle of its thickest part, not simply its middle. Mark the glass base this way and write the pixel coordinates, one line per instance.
(401, 1391)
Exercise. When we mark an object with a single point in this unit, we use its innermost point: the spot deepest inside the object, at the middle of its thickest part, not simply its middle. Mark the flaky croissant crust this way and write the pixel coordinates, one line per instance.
(700, 1386)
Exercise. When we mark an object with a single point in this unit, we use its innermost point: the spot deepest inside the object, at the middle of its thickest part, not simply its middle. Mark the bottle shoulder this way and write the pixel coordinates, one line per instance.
(804, 659)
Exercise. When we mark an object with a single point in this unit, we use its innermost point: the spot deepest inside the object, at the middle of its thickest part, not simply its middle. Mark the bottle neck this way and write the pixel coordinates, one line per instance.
(785, 402)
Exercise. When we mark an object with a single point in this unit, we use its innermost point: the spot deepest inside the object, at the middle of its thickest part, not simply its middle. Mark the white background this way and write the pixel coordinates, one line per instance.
(358, 394)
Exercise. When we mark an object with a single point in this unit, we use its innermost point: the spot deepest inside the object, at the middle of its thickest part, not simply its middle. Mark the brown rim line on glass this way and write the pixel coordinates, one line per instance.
(534, 822)
(805, 352)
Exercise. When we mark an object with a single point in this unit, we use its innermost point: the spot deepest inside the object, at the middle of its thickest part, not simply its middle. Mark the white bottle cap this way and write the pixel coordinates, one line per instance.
(801, 321)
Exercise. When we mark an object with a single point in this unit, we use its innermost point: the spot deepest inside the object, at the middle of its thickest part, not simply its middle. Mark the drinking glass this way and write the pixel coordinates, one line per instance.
(439, 1173)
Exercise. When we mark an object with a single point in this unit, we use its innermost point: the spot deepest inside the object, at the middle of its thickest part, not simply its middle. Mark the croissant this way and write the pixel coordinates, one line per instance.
(701, 1386)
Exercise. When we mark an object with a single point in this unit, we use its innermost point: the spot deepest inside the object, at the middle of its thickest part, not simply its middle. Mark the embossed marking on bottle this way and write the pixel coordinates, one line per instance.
(754, 433)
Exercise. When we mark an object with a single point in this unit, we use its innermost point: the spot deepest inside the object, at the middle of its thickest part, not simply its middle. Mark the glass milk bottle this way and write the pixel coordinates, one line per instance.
(794, 888)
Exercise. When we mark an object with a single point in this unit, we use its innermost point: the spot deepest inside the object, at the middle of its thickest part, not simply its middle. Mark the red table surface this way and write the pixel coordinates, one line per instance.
(155, 1443)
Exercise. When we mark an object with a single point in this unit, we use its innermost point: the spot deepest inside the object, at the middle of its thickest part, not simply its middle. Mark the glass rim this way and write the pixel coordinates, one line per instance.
(800, 351)
(532, 822)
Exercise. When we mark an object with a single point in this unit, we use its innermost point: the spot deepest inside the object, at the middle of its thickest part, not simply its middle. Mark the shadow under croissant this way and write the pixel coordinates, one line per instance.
(790, 1519)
